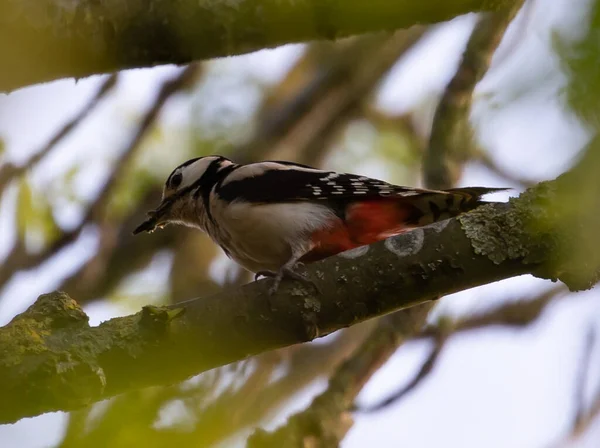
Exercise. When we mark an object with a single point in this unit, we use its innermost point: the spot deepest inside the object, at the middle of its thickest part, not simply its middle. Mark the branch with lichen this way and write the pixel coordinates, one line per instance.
(50, 39)
(53, 360)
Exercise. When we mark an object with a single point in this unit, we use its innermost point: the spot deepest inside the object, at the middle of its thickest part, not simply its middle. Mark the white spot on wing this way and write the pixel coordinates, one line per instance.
(408, 243)
(330, 176)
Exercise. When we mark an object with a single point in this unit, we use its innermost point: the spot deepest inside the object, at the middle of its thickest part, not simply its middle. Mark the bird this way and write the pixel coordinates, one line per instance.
(270, 216)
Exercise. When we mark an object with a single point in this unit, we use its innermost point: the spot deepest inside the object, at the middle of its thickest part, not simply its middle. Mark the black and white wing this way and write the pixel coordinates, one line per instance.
(268, 182)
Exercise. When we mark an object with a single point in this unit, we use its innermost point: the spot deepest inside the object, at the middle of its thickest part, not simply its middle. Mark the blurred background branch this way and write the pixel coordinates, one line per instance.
(451, 143)
(9, 171)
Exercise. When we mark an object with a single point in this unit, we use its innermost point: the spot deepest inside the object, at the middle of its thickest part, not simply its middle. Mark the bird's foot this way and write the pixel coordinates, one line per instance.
(289, 274)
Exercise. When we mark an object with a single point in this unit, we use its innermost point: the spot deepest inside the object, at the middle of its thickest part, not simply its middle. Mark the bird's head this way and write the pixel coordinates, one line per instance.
(184, 189)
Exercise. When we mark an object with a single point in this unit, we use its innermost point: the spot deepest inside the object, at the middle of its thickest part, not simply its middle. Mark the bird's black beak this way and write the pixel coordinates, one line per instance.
(156, 219)
(148, 225)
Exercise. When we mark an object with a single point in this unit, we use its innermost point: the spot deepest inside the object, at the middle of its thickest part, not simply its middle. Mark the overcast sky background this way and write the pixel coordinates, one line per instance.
(496, 388)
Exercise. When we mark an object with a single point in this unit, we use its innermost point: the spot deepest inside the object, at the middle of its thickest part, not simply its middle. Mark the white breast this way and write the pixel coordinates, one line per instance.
(265, 236)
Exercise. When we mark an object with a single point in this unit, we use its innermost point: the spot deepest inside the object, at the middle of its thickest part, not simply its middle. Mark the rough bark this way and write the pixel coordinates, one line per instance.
(53, 360)
(45, 40)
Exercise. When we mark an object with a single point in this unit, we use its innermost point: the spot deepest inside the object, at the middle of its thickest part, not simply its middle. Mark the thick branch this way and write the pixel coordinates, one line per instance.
(52, 359)
(49, 39)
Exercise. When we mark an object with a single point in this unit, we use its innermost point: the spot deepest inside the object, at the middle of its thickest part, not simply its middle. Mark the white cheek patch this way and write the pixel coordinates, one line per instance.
(330, 176)
(410, 243)
(194, 171)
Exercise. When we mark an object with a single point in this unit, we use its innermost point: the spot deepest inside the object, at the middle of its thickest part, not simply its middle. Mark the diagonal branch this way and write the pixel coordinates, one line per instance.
(53, 360)
(517, 314)
(328, 418)
(424, 371)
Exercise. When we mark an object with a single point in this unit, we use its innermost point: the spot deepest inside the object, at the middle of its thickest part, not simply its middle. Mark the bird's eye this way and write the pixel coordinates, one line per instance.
(176, 180)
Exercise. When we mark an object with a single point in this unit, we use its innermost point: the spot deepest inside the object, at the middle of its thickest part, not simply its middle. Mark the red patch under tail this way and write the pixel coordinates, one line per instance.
(366, 223)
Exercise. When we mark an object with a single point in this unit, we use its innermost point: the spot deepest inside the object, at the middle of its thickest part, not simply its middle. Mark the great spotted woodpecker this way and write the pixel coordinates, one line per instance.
(268, 216)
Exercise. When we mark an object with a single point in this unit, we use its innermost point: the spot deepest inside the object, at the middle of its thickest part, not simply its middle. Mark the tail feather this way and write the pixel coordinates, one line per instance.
(366, 222)
(437, 206)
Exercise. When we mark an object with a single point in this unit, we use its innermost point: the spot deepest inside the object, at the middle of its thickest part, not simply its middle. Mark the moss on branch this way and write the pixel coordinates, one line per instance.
(53, 360)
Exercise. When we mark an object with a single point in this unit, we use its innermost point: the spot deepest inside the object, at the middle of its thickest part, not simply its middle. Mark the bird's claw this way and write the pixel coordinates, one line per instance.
(285, 273)
(289, 274)
(266, 274)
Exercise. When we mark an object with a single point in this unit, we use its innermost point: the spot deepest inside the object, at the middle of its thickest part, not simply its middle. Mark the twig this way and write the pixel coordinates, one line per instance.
(582, 379)
(306, 363)
(515, 314)
(9, 171)
(184, 80)
(450, 141)
(101, 274)
(19, 259)
(325, 422)
(584, 416)
(424, 371)
(297, 128)
(586, 420)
